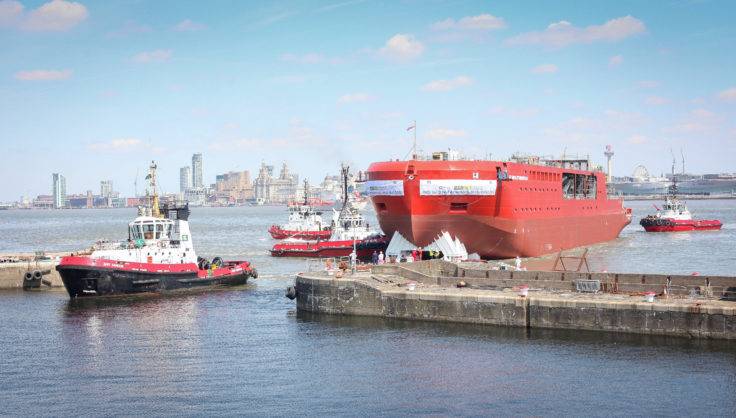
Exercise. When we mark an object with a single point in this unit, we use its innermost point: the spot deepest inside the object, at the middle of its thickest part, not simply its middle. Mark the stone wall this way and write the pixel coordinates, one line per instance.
(11, 274)
(368, 296)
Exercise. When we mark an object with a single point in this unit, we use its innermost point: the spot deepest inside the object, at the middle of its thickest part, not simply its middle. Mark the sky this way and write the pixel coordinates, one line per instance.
(97, 89)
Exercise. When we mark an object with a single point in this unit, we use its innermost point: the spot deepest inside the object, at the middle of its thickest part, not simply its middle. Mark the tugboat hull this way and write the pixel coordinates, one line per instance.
(328, 249)
(653, 224)
(85, 280)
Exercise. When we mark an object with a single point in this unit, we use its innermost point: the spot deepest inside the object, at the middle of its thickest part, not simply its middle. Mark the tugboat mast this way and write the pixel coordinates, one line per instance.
(151, 177)
(306, 192)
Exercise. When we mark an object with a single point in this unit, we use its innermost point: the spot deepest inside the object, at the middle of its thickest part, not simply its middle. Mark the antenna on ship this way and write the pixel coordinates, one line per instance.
(306, 192)
(135, 183)
(673, 188)
(413, 127)
(683, 160)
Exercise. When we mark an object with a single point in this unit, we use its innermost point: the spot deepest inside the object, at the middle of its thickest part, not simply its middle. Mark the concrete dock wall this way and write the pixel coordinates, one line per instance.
(11, 274)
(385, 295)
(475, 274)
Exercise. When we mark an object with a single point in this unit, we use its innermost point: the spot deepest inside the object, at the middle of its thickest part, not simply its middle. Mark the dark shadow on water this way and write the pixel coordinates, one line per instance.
(514, 334)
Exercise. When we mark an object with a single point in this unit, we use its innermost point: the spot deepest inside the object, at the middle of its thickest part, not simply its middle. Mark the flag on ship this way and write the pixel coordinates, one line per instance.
(413, 126)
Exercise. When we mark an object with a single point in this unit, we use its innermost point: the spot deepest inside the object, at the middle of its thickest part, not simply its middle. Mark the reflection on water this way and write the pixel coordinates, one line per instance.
(245, 351)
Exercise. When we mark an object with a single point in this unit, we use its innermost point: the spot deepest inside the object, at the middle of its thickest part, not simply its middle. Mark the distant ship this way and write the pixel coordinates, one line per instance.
(524, 207)
(674, 215)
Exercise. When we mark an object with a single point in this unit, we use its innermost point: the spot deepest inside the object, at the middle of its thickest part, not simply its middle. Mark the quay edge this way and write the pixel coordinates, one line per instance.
(384, 294)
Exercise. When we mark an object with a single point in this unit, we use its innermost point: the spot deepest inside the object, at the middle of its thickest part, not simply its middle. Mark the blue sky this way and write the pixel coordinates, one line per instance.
(95, 90)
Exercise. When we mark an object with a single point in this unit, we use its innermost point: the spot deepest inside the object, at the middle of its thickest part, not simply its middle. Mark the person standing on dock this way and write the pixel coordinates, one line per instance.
(381, 257)
(374, 257)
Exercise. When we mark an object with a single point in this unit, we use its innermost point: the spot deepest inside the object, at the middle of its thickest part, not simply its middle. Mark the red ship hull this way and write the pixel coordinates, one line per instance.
(521, 214)
(278, 233)
(673, 225)
(327, 249)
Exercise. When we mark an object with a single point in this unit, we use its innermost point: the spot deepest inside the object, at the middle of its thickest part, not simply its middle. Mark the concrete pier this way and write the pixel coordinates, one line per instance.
(552, 301)
(11, 274)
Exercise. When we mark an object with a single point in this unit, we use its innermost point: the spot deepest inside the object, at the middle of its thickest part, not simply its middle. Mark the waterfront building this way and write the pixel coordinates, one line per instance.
(234, 186)
(197, 177)
(58, 190)
(281, 189)
(106, 188)
(185, 179)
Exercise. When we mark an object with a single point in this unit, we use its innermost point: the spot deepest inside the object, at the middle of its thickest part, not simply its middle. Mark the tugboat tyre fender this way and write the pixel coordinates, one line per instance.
(28, 276)
(254, 273)
(291, 292)
(37, 275)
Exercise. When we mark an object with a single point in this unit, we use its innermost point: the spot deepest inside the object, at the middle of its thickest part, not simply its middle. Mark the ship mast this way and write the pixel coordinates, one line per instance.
(345, 170)
(306, 192)
(673, 188)
(151, 177)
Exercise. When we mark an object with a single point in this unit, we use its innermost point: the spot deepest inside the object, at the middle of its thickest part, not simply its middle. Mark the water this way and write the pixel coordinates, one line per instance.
(246, 352)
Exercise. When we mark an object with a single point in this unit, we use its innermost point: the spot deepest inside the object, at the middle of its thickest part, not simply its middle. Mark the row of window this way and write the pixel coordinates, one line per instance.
(542, 175)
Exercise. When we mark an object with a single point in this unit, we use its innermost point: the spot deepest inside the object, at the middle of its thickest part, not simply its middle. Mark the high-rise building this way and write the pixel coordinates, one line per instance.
(58, 190)
(106, 188)
(185, 179)
(197, 182)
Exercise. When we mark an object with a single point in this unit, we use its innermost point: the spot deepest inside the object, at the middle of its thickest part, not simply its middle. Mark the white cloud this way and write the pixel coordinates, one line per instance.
(355, 98)
(310, 58)
(615, 60)
(443, 133)
(187, 25)
(656, 100)
(402, 47)
(637, 139)
(648, 84)
(728, 95)
(120, 145)
(158, 55)
(514, 113)
(563, 33)
(483, 22)
(544, 69)
(43, 75)
(698, 121)
(129, 28)
(448, 85)
(10, 12)
(57, 15)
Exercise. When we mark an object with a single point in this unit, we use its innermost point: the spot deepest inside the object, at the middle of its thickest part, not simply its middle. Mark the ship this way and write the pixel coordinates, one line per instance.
(675, 216)
(527, 206)
(304, 222)
(350, 233)
(158, 257)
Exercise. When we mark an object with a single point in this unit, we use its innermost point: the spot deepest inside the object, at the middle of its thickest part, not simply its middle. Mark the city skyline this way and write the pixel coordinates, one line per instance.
(244, 83)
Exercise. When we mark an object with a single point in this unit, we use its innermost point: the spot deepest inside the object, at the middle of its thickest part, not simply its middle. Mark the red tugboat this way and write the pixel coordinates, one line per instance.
(525, 207)
(674, 215)
(158, 257)
(349, 232)
(304, 222)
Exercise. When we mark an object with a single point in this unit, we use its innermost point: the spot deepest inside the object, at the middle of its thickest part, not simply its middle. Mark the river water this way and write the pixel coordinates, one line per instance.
(246, 352)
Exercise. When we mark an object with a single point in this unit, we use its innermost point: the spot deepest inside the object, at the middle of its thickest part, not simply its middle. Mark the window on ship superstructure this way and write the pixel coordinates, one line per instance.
(579, 186)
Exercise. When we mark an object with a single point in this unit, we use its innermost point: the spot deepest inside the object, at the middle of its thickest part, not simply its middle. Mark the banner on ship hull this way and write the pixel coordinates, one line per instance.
(457, 187)
(384, 188)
